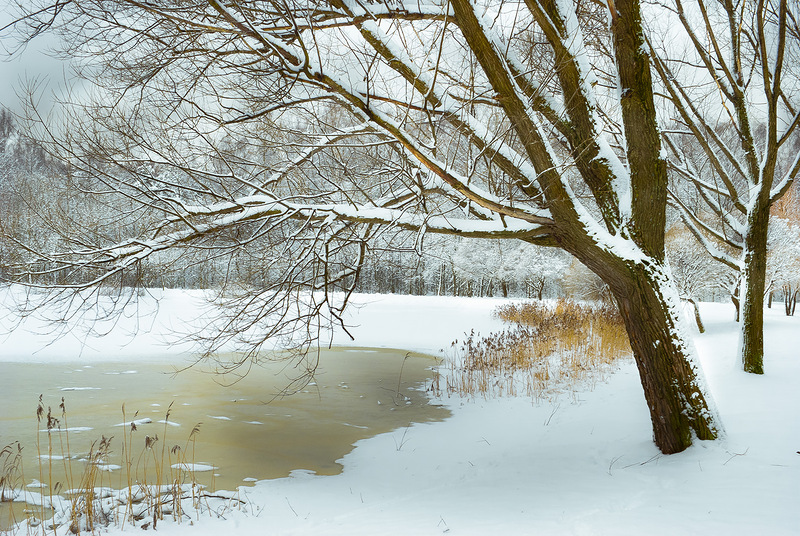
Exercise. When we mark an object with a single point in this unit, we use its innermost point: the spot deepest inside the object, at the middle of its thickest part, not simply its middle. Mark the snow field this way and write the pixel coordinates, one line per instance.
(509, 466)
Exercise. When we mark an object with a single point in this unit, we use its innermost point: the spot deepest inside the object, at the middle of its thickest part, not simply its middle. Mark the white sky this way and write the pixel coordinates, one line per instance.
(28, 65)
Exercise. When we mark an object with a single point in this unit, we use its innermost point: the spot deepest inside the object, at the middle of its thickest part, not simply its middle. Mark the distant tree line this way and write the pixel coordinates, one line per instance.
(41, 203)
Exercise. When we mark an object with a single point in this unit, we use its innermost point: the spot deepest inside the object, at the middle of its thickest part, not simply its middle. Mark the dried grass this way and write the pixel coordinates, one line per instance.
(548, 349)
(93, 504)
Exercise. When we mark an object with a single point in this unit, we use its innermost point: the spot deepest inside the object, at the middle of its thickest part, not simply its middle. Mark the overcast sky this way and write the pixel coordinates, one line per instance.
(32, 63)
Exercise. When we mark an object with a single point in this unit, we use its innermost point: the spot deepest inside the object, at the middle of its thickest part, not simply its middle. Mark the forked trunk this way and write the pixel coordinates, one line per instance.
(673, 386)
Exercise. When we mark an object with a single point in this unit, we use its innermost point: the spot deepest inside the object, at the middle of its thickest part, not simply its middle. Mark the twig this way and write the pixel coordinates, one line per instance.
(735, 454)
(552, 413)
(402, 439)
(655, 457)
(613, 461)
(290, 506)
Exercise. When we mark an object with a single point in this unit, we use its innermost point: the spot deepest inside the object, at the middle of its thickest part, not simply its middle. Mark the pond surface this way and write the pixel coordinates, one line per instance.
(245, 432)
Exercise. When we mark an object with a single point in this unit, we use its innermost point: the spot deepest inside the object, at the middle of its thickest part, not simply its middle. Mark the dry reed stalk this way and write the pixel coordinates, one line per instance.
(39, 415)
(12, 475)
(193, 439)
(86, 510)
(127, 445)
(67, 459)
(52, 422)
(547, 348)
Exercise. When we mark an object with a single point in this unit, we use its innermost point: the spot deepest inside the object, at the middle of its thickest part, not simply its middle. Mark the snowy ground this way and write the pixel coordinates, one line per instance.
(512, 467)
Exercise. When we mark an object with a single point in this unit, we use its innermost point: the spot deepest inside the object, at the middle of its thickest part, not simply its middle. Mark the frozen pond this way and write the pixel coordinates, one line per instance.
(245, 433)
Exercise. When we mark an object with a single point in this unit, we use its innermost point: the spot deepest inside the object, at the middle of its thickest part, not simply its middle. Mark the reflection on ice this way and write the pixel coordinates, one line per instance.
(246, 430)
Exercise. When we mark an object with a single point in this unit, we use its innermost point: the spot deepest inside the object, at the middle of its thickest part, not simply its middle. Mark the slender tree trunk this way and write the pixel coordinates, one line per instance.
(699, 321)
(789, 299)
(751, 348)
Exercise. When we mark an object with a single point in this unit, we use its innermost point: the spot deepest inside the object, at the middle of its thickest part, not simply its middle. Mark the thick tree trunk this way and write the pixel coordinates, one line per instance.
(672, 382)
(643, 289)
(751, 348)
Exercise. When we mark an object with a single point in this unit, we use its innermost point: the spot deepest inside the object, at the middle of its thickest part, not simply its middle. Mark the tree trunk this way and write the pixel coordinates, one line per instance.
(735, 301)
(672, 382)
(751, 348)
(789, 299)
(699, 321)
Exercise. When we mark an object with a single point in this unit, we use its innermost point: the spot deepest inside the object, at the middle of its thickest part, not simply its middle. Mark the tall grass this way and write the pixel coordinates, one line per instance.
(548, 348)
(12, 477)
(92, 504)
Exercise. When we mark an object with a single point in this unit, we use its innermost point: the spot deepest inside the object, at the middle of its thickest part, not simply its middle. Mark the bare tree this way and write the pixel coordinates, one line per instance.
(736, 101)
(352, 119)
(694, 271)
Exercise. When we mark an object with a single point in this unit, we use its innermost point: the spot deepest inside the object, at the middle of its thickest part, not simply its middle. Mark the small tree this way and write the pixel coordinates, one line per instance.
(783, 263)
(693, 268)
(736, 105)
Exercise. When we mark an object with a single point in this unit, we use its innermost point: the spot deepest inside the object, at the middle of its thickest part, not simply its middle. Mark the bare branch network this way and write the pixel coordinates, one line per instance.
(307, 135)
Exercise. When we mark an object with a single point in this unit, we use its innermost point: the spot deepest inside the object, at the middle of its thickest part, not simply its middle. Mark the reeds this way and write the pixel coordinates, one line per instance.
(548, 348)
(12, 477)
(61, 507)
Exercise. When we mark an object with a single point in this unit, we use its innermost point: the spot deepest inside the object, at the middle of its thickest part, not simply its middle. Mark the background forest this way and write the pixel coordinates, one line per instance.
(43, 205)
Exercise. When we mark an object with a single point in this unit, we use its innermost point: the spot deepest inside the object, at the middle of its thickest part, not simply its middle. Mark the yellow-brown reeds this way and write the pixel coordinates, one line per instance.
(547, 348)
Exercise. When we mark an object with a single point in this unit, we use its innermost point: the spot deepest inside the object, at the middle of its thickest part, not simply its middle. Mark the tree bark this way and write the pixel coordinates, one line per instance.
(754, 275)
(643, 289)
(698, 320)
(672, 383)
(789, 299)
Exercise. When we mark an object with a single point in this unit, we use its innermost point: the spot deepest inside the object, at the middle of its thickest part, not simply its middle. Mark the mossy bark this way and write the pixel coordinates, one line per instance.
(678, 408)
(674, 395)
(671, 381)
(754, 285)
